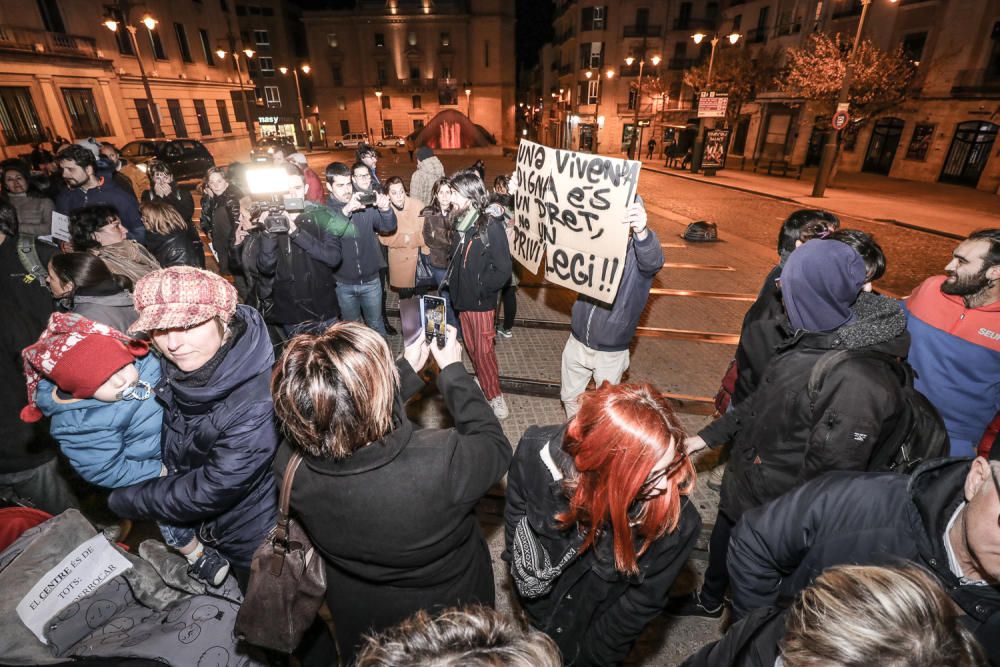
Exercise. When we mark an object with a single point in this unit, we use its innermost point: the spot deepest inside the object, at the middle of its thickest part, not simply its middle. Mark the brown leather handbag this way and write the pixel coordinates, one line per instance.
(287, 581)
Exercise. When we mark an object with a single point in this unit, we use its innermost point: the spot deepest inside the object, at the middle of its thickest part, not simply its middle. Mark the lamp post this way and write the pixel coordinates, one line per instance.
(655, 60)
(239, 75)
(468, 100)
(302, 112)
(699, 140)
(111, 24)
(381, 120)
(830, 147)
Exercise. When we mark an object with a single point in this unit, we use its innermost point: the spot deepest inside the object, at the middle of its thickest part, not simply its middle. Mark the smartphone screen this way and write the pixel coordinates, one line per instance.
(434, 314)
(411, 318)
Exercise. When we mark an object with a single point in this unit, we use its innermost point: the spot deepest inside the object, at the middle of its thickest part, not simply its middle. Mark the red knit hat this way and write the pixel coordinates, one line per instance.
(78, 355)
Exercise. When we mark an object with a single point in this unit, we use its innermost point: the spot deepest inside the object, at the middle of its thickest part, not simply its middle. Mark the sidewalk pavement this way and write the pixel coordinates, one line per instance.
(951, 210)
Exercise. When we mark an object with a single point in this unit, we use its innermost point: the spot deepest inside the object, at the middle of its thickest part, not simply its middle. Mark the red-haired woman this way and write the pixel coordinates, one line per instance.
(598, 522)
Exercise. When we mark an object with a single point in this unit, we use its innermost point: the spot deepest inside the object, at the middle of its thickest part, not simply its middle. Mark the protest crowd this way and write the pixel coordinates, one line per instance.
(254, 413)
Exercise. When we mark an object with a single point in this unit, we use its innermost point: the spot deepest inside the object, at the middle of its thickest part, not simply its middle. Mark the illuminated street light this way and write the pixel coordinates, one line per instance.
(112, 24)
(302, 112)
(610, 74)
(655, 60)
(468, 100)
(699, 141)
(149, 22)
(222, 53)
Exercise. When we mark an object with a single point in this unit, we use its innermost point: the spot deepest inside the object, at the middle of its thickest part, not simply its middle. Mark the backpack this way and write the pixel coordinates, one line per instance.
(919, 434)
(28, 254)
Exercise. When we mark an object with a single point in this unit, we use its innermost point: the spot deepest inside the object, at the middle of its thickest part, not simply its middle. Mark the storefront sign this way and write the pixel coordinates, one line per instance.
(712, 105)
(268, 120)
(569, 206)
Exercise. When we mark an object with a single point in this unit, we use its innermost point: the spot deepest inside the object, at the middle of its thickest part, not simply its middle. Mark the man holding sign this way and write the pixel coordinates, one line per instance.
(601, 332)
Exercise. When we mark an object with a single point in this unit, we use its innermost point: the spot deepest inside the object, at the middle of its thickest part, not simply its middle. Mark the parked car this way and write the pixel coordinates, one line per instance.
(351, 140)
(186, 158)
(391, 140)
(267, 145)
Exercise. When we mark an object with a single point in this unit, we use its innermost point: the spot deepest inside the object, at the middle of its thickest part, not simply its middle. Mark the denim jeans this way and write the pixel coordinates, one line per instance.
(363, 300)
(175, 536)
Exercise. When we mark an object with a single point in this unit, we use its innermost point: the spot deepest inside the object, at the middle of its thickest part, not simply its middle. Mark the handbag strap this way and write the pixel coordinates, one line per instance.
(284, 504)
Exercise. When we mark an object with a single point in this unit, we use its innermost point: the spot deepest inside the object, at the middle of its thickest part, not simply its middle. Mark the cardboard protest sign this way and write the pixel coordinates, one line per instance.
(570, 206)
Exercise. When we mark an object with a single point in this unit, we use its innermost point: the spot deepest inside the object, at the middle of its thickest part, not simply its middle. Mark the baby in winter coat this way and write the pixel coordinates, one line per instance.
(96, 385)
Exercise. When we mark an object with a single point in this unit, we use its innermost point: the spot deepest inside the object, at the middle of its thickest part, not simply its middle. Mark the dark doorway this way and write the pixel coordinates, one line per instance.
(820, 132)
(740, 136)
(970, 149)
(586, 137)
(882, 146)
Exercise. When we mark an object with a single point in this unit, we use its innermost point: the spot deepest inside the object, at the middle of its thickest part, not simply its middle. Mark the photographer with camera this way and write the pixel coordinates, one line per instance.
(359, 290)
(296, 253)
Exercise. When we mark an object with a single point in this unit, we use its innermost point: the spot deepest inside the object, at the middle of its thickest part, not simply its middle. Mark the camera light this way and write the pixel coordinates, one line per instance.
(267, 180)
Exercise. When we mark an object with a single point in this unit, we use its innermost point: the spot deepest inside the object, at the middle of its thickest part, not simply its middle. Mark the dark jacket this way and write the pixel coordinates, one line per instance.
(106, 192)
(107, 304)
(181, 248)
(300, 267)
(859, 519)
(593, 612)
(482, 265)
(219, 439)
(220, 214)
(244, 260)
(439, 237)
(750, 642)
(761, 333)
(361, 258)
(779, 441)
(179, 199)
(611, 328)
(396, 521)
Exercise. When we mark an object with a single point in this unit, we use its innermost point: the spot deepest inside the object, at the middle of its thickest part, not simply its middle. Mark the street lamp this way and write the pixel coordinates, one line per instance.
(222, 53)
(111, 24)
(655, 60)
(381, 121)
(699, 140)
(302, 112)
(830, 147)
(468, 100)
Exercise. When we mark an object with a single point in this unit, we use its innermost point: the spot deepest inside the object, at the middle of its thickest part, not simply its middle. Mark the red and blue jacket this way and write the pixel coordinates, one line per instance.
(956, 353)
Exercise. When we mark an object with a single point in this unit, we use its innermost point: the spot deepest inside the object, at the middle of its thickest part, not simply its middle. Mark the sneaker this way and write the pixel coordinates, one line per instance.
(210, 568)
(715, 477)
(500, 407)
(505, 333)
(690, 605)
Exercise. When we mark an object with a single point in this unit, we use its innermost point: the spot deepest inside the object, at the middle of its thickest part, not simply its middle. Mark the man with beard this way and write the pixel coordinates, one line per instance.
(954, 325)
(85, 187)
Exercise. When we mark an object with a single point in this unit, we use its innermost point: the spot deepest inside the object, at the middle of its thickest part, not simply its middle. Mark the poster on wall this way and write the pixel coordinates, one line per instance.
(920, 142)
(568, 210)
(716, 142)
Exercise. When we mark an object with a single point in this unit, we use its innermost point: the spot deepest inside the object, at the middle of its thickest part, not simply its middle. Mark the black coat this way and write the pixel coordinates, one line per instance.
(750, 642)
(395, 521)
(219, 440)
(361, 252)
(219, 217)
(859, 519)
(762, 332)
(177, 248)
(179, 198)
(780, 442)
(593, 612)
(480, 269)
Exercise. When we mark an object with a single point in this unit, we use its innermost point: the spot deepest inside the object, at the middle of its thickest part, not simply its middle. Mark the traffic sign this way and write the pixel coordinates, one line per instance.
(643, 122)
(712, 104)
(840, 120)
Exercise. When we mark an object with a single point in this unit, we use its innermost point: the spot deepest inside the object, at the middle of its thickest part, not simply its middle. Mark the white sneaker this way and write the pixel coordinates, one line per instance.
(500, 407)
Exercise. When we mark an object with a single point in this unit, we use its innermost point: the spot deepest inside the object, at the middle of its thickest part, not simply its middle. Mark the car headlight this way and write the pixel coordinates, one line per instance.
(270, 151)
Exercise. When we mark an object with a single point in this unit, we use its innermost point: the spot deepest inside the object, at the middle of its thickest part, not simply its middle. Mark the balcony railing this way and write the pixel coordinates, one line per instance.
(15, 138)
(643, 30)
(788, 29)
(757, 36)
(41, 41)
(976, 83)
(84, 130)
(624, 109)
(694, 24)
(682, 63)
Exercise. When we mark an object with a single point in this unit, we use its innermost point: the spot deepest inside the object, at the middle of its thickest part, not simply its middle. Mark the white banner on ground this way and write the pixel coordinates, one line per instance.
(80, 573)
(571, 205)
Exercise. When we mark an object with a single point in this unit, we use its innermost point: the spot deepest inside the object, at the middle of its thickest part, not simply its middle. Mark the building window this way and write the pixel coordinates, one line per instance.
(338, 75)
(445, 39)
(177, 117)
(236, 97)
(387, 128)
(592, 55)
(272, 96)
(224, 116)
(600, 14)
(157, 44)
(633, 98)
(385, 102)
(203, 125)
(266, 65)
(18, 117)
(415, 73)
(592, 18)
(418, 125)
(331, 39)
(411, 38)
(379, 40)
(206, 47)
(345, 127)
(341, 103)
(380, 73)
(593, 91)
(145, 118)
(260, 38)
(486, 53)
(49, 9)
(83, 113)
(913, 46)
(417, 102)
(182, 42)
(446, 72)
(121, 35)
(993, 64)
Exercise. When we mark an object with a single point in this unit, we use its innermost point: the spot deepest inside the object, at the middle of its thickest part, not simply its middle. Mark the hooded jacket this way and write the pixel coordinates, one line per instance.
(109, 444)
(481, 265)
(361, 253)
(219, 438)
(219, 216)
(956, 353)
(763, 329)
(611, 328)
(429, 170)
(106, 192)
(859, 519)
(593, 612)
(395, 522)
(112, 306)
(780, 441)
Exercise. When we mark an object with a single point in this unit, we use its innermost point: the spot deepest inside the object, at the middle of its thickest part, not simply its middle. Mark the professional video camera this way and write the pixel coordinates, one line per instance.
(269, 188)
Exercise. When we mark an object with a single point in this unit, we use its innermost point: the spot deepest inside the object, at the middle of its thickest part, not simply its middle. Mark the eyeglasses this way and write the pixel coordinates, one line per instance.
(648, 491)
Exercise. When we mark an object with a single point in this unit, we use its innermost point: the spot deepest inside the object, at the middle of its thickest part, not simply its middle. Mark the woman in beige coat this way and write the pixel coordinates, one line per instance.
(407, 241)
